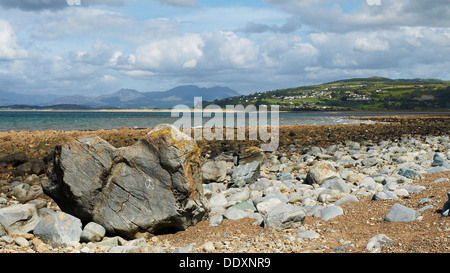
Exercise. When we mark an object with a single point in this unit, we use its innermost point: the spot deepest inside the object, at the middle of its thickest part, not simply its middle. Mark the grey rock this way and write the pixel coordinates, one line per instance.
(336, 183)
(235, 214)
(20, 241)
(445, 179)
(437, 169)
(346, 200)
(152, 185)
(245, 174)
(284, 176)
(59, 228)
(239, 196)
(438, 160)
(415, 188)
(19, 218)
(384, 195)
(284, 216)
(185, 249)
(92, 232)
(245, 206)
(376, 242)
(261, 184)
(320, 172)
(125, 249)
(425, 208)
(400, 213)
(215, 220)
(214, 171)
(446, 208)
(408, 173)
(369, 162)
(329, 212)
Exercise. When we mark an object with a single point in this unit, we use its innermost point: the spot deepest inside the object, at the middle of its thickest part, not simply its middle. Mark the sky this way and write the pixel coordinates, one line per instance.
(95, 47)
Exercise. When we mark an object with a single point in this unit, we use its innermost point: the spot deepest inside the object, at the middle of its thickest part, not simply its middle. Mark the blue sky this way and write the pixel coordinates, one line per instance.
(100, 46)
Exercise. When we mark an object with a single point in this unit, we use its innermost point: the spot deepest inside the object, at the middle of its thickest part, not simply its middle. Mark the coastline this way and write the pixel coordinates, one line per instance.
(390, 112)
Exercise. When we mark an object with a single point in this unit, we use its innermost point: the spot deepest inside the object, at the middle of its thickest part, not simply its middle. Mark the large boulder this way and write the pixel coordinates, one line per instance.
(320, 172)
(154, 185)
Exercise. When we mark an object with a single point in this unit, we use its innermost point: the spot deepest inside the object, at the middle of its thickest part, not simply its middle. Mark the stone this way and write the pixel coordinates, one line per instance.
(185, 249)
(329, 212)
(244, 175)
(445, 179)
(408, 173)
(375, 243)
(125, 249)
(336, 183)
(215, 220)
(151, 186)
(235, 214)
(346, 200)
(369, 162)
(59, 228)
(238, 197)
(400, 213)
(208, 247)
(265, 206)
(214, 171)
(246, 205)
(92, 232)
(437, 169)
(22, 242)
(14, 159)
(284, 176)
(261, 184)
(19, 218)
(284, 216)
(384, 195)
(438, 160)
(320, 172)
(446, 208)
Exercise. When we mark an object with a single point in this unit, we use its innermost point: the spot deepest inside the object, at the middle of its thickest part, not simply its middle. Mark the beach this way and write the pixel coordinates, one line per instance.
(367, 159)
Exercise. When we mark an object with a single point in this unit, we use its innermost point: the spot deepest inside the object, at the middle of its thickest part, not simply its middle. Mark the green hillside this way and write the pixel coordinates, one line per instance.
(358, 94)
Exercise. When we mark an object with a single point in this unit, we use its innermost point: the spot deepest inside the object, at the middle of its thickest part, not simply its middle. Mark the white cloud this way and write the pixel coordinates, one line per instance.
(9, 50)
(80, 21)
(369, 45)
(170, 54)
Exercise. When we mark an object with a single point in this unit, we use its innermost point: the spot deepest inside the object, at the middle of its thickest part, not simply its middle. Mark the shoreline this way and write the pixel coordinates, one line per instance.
(401, 112)
(40, 143)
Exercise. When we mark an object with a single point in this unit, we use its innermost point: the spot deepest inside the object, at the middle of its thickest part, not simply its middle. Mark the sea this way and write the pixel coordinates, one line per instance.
(95, 120)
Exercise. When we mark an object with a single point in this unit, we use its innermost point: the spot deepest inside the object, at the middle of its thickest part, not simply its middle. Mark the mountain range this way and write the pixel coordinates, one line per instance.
(123, 98)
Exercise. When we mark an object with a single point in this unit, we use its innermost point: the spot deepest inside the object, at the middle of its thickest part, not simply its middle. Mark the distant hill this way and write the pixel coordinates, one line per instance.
(129, 98)
(365, 94)
(50, 107)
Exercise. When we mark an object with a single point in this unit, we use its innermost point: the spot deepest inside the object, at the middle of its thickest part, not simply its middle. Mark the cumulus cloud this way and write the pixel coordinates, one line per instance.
(9, 50)
(291, 25)
(78, 21)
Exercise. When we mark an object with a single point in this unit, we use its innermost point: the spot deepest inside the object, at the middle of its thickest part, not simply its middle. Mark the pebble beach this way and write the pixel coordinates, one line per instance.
(355, 188)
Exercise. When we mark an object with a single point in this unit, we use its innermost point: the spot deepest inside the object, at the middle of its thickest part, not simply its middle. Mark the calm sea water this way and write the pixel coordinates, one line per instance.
(90, 120)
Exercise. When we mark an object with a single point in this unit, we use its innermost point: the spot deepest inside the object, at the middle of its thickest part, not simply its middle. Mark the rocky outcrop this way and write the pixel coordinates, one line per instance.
(152, 186)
